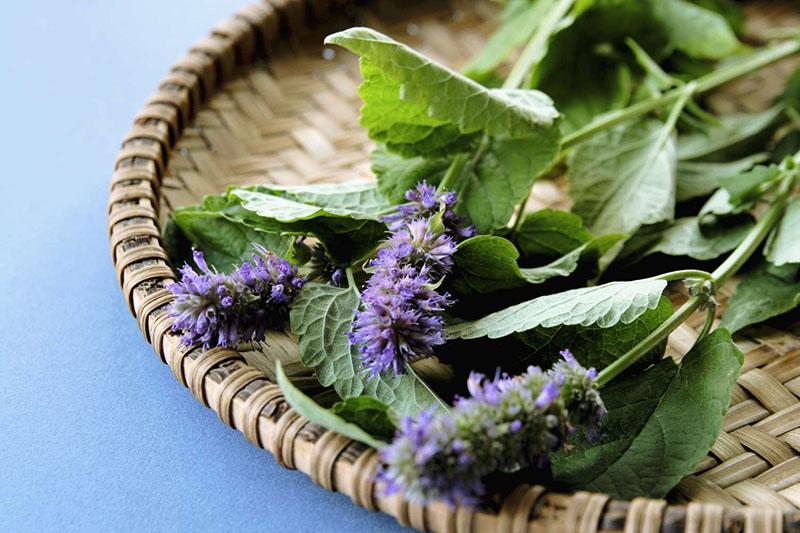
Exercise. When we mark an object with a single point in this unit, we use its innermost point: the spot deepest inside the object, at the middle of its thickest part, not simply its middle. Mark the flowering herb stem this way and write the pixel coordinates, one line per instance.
(727, 269)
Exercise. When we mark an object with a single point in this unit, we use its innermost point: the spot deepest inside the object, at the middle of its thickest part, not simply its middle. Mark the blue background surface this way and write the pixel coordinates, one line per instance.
(94, 431)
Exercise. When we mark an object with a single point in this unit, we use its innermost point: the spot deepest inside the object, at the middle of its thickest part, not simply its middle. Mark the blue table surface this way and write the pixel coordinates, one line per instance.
(95, 434)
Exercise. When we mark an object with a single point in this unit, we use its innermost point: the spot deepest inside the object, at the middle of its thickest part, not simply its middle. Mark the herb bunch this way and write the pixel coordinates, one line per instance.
(440, 262)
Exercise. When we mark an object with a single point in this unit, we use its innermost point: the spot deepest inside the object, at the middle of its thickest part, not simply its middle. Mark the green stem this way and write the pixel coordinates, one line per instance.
(710, 315)
(705, 83)
(678, 275)
(453, 172)
(351, 279)
(537, 46)
(727, 269)
(651, 341)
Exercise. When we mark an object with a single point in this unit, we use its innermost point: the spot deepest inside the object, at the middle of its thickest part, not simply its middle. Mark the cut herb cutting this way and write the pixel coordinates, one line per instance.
(473, 339)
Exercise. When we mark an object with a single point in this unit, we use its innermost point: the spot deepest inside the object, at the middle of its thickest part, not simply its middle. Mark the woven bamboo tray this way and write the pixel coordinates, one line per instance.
(256, 101)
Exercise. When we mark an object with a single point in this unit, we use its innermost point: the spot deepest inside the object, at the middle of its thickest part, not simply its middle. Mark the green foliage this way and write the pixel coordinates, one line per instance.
(764, 293)
(603, 305)
(324, 417)
(369, 414)
(346, 222)
(694, 30)
(620, 190)
(686, 238)
(736, 135)
(595, 346)
(783, 246)
(660, 424)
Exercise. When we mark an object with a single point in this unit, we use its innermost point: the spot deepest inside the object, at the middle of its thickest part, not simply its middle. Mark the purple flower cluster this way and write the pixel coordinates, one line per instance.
(425, 202)
(505, 424)
(400, 320)
(224, 309)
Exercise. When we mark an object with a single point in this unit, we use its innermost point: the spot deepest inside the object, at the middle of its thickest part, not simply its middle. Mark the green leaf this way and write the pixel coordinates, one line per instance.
(284, 209)
(325, 418)
(749, 186)
(518, 22)
(735, 133)
(783, 246)
(582, 71)
(660, 424)
(624, 177)
(551, 233)
(369, 414)
(322, 315)
(762, 294)
(598, 84)
(594, 346)
(346, 234)
(397, 174)
(429, 95)
(504, 171)
(225, 243)
(603, 305)
(701, 178)
(486, 263)
(685, 238)
(694, 30)
(498, 139)
(351, 198)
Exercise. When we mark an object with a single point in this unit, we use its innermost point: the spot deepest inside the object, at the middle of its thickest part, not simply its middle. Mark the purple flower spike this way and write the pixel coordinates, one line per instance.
(506, 423)
(425, 202)
(216, 309)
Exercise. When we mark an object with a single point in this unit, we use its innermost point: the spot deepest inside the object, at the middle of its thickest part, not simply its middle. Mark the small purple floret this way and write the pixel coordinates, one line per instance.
(425, 202)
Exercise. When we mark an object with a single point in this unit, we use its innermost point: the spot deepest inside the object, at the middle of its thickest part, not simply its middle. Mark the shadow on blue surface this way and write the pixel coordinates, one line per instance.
(96, 434)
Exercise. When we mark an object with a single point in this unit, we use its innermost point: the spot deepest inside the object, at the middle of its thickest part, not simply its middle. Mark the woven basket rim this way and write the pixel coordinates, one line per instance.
(217, 377)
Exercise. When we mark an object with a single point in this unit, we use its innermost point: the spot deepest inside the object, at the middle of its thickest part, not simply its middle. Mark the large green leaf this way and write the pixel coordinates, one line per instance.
(660, 424)
(551, 233)
(701, 178)
(359, 199)
(603, 305)
(283, 209)
(735, 133)
(322, 315)
(486, 263)
(783, 246)
(694, 30)
(764, 293)
(324, 417)
(225, 243)
(582, 71)
(369, 414)
(624, 177)
(749, 186)
(496, 140)
(685, 238)
(397, 174)
(594, 346)
(504, 170)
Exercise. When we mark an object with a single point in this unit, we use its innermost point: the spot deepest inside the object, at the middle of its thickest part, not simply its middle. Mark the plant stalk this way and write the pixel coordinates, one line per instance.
(727, 269)
(705, 83)
(536, 48)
